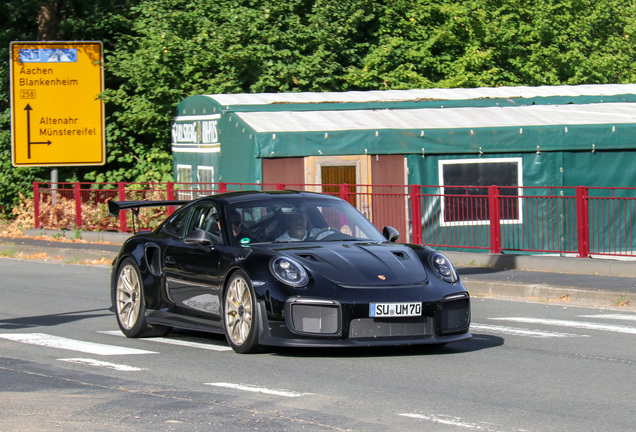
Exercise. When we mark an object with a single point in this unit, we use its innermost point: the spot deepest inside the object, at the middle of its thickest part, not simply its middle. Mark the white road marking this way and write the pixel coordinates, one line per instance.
(610, 359)
(50, 341)
(620, 317)
(460, 423)
(178, 342)
(254, 389)
(572, 324)
(98, 363)
(516, 331)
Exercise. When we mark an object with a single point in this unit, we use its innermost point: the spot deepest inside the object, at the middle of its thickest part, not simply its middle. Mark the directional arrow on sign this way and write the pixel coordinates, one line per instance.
(28, 110)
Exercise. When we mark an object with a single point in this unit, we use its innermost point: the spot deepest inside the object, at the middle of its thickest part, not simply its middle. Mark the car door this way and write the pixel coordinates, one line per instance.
(192, 270)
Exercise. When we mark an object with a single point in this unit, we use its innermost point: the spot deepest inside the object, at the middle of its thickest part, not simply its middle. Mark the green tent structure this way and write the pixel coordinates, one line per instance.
(519, 137)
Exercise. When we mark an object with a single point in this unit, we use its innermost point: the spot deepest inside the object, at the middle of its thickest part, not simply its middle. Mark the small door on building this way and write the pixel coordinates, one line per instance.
(333, 176)
(326, 173)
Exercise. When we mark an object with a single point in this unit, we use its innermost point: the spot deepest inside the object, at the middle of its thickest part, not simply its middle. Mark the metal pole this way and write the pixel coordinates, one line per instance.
(54, 181)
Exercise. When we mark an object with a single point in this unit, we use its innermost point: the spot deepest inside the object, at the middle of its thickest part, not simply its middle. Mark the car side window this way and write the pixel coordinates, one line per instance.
(205, 217)
(177, 223)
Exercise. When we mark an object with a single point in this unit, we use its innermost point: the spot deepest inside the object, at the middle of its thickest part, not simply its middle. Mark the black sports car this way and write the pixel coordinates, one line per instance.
(284, 269)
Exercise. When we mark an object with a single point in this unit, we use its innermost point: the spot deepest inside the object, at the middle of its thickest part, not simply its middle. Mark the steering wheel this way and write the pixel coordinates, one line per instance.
(324, 230)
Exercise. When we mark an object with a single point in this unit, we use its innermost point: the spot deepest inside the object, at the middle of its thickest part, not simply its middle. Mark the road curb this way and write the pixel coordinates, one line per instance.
(549, 294)
(66, 255)
(89, 236)
(556, 264)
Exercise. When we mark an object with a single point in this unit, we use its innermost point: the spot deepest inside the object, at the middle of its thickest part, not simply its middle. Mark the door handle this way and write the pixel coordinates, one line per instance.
(170, 260)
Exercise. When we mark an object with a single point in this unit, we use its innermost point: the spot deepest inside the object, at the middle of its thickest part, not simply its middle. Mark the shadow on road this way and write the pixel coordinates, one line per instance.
(52, 319)
(468, 271)
(477, 343)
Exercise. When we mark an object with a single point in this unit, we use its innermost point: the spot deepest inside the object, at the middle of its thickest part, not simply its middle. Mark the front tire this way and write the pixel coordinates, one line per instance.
(130, 307)
(239, 314)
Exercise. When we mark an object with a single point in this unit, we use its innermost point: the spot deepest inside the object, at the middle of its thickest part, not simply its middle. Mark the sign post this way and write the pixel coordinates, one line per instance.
(56, 117)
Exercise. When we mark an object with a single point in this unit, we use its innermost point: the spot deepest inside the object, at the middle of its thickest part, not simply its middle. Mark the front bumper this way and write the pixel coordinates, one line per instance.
(326, 323)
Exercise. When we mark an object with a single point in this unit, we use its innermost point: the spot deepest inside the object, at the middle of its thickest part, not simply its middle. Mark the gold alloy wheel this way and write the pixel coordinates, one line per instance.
(238, 311)
(128, 296)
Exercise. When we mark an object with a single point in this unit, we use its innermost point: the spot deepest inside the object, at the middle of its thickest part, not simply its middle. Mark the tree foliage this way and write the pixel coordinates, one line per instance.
(492, 43)
(158, 52)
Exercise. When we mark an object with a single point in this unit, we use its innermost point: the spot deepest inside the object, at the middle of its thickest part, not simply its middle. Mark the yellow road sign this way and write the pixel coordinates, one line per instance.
(56, 118)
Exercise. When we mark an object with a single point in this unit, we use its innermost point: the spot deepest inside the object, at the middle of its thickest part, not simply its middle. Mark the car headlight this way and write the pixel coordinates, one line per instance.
(443, 267)
(289, 272)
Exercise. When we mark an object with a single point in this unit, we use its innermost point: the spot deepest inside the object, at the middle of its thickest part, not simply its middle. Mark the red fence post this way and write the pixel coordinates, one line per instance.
(170, 196)
(416, 214)
(280, 186)
(78, 204)
(222, 187)
(344, 191)
(123, 226)
(583, 221)
(170, 191)
(495, 227)
(36, 205)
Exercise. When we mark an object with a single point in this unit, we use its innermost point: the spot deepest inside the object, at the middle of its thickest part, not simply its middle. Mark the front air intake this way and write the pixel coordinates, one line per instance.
(373, 328)
(455, 313)
(315, 317)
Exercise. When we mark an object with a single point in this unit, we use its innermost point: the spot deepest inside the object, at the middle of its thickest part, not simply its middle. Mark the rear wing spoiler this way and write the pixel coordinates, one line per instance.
(114, 207)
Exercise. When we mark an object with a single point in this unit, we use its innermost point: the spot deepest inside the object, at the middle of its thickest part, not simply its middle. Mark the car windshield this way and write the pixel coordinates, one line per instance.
(296, 218)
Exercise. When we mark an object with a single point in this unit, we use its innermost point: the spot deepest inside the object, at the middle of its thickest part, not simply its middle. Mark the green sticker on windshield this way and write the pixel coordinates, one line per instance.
(245, 240)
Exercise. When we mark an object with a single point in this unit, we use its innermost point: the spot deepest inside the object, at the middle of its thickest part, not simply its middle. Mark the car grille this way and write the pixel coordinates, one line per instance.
(455, 315)
(318, 319)
(390, 327)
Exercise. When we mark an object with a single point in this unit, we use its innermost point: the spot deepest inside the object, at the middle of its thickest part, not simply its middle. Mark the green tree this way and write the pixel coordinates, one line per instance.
(492, 42)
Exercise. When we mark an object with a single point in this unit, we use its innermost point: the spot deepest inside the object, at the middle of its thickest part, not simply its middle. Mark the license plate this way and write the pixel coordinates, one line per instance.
(395, 309)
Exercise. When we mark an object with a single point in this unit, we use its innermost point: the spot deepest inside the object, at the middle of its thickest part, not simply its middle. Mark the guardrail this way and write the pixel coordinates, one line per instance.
(579, 221)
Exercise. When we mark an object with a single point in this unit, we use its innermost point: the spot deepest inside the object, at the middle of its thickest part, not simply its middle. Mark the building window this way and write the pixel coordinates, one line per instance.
(184, 180)
(465, 188)
(205, 177)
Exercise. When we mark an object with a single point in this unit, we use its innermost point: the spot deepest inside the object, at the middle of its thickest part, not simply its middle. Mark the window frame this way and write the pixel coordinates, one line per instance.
(206, 169)
(187, 194)
(518, 161)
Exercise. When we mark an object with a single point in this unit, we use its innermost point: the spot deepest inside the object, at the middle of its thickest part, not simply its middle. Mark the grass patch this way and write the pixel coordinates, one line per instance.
(622, 301)
(10, 253)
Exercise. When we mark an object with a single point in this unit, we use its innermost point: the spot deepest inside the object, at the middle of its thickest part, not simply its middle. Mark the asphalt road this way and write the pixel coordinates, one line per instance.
(534, 367)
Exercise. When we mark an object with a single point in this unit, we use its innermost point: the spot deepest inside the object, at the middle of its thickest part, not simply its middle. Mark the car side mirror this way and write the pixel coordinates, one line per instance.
(200, 238)
(390, 233)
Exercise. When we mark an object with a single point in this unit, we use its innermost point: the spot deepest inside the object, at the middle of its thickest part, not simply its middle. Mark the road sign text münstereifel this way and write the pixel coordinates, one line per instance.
(50, 132)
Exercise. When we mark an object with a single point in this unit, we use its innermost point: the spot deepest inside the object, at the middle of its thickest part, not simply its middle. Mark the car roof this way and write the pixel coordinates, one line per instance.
(246, 196)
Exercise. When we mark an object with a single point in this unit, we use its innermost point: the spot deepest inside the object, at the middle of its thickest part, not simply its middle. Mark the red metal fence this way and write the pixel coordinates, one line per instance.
(562, 220)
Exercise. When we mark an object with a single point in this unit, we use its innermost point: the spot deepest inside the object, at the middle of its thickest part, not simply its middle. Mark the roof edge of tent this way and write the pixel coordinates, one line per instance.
(513, 92)
(439, 118)
(480, 96)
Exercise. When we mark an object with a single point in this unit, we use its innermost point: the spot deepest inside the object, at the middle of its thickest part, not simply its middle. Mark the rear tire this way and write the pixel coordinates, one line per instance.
(130, 306)
(239, 314)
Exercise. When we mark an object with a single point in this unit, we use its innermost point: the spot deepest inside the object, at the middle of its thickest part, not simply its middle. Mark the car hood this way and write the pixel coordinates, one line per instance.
(360, 263)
